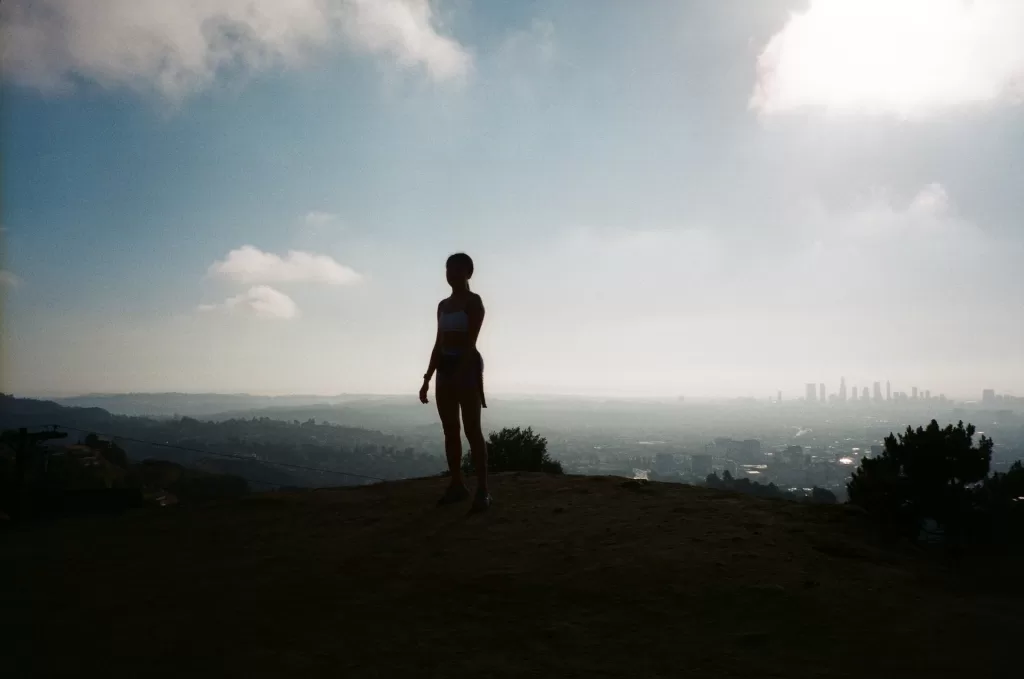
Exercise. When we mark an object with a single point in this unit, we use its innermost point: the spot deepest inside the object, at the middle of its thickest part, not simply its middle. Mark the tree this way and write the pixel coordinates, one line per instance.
(924, 474)
(822, 496)
(1000, 501)
(110, 451)
(1006, 488)
(518, 450)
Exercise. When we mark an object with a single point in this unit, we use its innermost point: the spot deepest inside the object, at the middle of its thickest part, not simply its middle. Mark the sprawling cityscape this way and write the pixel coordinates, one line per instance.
(814, 441)
(797, 445)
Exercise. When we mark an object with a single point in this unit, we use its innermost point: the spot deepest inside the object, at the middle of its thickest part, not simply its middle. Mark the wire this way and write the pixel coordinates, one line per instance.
(228, 455)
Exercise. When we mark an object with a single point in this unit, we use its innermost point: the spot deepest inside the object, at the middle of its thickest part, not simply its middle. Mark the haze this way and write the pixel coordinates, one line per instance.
(662, 198)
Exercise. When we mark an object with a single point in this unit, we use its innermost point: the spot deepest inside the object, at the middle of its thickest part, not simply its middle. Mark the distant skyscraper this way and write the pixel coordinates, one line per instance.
(780, 396)
(927, 394)
(812, 392)
(864, 394)
(888, 391)
(821, 392)
(878, 391)
(853, 394)
(842, 388)
(913, 392)
(988, 396)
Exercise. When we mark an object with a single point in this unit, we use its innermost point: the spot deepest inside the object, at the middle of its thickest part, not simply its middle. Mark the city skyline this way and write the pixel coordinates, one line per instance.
(985, 396)
(817, 393)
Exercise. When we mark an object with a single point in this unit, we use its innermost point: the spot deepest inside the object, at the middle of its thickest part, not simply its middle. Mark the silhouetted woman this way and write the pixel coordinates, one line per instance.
(459, 386)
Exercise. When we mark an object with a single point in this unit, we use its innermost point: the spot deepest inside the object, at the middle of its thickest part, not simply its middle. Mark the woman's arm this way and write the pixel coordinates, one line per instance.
(432, 365)
(475, 312)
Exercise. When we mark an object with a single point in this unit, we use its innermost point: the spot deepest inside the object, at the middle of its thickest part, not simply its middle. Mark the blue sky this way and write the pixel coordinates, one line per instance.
(702, 198)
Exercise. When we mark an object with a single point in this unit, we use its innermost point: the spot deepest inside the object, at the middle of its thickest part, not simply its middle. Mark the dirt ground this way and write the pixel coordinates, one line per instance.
(565, 577)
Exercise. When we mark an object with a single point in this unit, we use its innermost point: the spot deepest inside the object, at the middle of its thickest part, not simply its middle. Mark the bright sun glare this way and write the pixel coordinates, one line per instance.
(906, 56)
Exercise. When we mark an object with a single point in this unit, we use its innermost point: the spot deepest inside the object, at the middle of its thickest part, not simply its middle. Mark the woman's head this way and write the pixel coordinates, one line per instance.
(459, 269)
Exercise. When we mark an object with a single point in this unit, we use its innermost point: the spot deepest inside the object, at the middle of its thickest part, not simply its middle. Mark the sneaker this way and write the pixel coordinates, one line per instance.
(481, 503)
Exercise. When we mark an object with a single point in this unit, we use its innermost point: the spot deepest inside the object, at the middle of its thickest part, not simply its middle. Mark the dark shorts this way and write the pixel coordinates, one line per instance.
(472, 378)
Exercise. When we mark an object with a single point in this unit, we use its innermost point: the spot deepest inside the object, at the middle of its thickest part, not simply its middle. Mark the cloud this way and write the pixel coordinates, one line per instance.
(928, 214)
(907, 58)
(405, 30)
(249, 264)
(318, 220)
(261, 301)
(180, 47)
(931, 200)
(918, 243)
(8, 279)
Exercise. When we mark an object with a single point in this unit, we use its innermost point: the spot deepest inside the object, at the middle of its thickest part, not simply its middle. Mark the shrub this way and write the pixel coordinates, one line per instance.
(518, 450)
(822, 496)
(924, 474)
(1000, 505)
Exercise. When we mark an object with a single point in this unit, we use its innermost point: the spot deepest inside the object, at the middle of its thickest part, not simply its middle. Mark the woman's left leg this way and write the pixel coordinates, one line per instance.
(447, 398)
(469, 399)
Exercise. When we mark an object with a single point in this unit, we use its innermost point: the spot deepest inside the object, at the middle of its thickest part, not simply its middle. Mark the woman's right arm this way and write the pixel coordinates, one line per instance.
(432, 365)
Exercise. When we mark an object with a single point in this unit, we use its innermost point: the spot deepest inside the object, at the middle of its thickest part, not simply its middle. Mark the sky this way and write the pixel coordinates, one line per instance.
(662, 198)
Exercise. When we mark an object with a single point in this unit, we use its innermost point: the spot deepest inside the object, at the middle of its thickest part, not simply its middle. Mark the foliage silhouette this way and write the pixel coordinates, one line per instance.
(1000, 506)
(822, 496)
(748, 487)
(516, 449)
(929, 473)
(111, 452)
(96, 475)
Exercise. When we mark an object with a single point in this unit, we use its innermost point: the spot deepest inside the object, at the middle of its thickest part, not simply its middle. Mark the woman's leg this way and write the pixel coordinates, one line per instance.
(469, 398)
(447, 400)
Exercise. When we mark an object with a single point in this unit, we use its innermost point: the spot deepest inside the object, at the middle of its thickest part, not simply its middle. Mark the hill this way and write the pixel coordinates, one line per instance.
(264, 451)
(567, 576)
(195, 405)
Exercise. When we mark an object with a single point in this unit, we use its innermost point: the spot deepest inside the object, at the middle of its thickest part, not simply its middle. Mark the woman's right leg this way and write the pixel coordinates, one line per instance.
(469, 398)
(447, 400)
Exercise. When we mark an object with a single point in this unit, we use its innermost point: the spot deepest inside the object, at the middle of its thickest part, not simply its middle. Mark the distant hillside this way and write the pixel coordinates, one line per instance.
(27, 412)
(194, 405)
(386, 414)
(262, 450)
(566, 577)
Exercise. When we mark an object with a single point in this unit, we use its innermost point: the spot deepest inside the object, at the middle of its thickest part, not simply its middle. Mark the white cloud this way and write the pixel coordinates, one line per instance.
(249, 264)
(179, 47)
(929, 212)
(261, 301)
(8, 279)
(318, 220)
(405, 29)
(931, 200)
(883, 240)
(907, 58)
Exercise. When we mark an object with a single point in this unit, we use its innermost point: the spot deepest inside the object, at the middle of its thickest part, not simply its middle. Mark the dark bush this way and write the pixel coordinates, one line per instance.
(929, 473)
(822, 496)
(748, 487)
(516, 450)
(1000, 506)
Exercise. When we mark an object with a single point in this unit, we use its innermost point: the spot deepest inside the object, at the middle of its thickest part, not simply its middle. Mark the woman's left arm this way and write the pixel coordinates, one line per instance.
(475, 311)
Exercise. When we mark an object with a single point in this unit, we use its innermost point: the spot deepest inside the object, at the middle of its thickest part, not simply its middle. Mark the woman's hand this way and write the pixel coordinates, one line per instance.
(423, 391)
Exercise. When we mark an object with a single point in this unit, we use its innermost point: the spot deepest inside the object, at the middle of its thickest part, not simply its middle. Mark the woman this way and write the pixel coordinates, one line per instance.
(460, 371)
